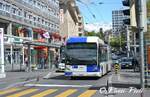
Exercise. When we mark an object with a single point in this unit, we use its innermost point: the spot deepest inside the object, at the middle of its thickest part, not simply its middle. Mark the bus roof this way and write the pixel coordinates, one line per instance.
(89, 39)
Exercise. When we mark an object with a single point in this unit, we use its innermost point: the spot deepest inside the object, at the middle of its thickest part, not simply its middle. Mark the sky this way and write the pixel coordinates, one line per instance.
(102, 12)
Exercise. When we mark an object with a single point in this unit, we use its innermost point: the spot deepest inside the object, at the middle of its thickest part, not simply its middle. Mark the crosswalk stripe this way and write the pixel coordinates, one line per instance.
(22, 93)
(67, 93)
(45, 93)
(88, 93)
(3, 92)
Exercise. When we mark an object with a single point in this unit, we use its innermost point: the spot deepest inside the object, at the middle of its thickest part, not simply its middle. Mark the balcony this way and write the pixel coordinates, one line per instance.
(126, 3)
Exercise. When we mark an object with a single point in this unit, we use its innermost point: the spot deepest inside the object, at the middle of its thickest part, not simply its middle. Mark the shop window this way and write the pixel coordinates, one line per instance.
(35, 35)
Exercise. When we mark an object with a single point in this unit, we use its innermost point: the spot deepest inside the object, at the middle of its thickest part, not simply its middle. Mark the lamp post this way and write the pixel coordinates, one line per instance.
(141, 27)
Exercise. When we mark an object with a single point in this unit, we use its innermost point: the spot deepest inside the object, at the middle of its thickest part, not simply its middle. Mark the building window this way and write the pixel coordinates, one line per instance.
(25, 14)
(7, 8)
(14, 10)
(42, 21)
(39, 20)
(30, 17)
(20, 12)
(34, 18)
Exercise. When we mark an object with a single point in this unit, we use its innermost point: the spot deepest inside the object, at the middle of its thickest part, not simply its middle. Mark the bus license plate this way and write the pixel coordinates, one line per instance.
(75, 66)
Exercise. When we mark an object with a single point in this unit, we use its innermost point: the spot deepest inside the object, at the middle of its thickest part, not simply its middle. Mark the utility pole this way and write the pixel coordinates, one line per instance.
(141, 22)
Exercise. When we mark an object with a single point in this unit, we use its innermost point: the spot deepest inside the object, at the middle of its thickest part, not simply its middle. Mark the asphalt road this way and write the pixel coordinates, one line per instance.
(57, 85)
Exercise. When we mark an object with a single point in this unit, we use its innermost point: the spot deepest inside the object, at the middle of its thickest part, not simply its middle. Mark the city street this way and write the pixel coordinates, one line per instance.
(57, 85)
(74, 48)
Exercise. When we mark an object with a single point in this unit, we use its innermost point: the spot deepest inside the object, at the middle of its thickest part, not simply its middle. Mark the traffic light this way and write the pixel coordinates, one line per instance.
(126, 21)
(126, 12)
(126, 3)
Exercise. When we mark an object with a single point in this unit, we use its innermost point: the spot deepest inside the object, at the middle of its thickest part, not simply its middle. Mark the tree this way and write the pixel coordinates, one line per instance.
(118, 42)
(99, 34)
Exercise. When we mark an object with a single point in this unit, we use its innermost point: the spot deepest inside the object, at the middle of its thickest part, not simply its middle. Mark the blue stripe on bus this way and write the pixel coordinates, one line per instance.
(75, 40)
(68, 73)
(93, 68)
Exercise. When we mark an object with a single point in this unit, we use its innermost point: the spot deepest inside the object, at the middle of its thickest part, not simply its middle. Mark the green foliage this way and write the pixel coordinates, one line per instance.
(99, 34)
(117, 42)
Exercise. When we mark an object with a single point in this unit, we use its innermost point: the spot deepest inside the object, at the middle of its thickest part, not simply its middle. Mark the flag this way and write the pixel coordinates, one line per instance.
(46, 35)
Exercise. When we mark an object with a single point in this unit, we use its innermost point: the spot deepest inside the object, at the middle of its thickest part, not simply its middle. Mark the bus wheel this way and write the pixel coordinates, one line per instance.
(72, 77)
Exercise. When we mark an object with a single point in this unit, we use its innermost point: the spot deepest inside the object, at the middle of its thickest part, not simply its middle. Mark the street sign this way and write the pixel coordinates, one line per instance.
(2, 70)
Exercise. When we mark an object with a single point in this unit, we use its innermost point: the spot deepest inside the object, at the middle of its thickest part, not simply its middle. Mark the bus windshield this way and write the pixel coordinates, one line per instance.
(82, 53)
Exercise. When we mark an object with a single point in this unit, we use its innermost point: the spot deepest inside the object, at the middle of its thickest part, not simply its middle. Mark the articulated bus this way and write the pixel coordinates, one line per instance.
(86, 56)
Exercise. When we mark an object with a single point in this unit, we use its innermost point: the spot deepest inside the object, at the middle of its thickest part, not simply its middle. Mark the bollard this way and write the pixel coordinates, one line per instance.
(117, 67)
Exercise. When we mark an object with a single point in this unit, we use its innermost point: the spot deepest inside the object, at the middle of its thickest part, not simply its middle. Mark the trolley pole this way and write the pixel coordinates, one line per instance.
(141, 18)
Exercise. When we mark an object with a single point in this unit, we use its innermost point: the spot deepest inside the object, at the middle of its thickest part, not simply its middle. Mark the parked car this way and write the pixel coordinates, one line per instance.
(61, 65)
(126, 63)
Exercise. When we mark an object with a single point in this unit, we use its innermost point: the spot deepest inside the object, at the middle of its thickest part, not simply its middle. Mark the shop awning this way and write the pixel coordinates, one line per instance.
(42, 44)
(40, 31)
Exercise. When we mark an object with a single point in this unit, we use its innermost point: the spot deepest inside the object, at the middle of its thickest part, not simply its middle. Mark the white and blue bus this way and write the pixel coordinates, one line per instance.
(86, 56)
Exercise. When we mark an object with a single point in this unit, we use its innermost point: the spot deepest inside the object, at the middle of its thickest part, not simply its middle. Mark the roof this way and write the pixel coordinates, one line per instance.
(90, 39)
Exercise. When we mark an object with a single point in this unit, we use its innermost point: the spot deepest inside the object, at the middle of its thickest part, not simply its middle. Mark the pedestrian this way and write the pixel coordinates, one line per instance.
(9, 58)
(26, 63)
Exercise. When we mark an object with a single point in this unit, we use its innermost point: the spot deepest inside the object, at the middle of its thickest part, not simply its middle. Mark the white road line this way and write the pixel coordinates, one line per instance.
(55, 85)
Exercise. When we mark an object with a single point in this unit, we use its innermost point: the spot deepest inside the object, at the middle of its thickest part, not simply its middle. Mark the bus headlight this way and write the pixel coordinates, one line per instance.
(68, 67)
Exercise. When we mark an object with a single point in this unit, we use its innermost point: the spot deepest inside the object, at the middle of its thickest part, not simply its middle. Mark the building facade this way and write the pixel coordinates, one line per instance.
(71, 21)
(28, 25)
(117, 21)
(147, 46)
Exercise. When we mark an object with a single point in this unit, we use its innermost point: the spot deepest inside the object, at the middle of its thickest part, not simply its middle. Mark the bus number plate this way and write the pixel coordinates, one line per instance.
(75, 66)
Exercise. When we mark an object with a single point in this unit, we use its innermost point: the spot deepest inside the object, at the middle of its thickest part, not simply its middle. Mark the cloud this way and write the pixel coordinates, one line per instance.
(96, 26)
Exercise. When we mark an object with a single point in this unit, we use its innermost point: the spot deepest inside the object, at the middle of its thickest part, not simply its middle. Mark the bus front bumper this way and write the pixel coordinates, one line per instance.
(78, 74)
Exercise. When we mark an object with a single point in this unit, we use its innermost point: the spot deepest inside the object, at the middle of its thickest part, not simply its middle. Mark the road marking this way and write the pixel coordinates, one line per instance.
(45, 93)
(67, 93)
(54, 85)
(2, 92)
(88, 93)
(22, 93)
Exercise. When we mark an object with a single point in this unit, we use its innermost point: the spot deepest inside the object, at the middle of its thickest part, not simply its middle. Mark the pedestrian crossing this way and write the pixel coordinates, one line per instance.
(48, 92)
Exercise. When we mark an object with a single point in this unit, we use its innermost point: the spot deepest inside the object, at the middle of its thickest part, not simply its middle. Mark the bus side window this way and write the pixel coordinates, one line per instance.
(99, 54)
(103, 54)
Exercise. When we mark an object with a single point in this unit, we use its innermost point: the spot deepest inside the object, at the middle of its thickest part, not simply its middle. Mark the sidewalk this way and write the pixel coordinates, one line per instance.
(17, 78)
(124, 81)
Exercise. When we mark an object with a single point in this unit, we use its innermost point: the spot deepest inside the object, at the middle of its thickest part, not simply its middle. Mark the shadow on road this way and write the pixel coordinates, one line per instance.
(62, 77)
